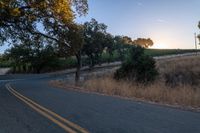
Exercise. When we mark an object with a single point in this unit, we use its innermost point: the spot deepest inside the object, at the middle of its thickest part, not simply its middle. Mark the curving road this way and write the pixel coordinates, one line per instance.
(60, 111)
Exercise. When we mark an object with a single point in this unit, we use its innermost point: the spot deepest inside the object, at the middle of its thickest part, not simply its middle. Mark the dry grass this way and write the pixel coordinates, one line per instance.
(185, 63)
(183, 94)
(157, 92)
(180, 71)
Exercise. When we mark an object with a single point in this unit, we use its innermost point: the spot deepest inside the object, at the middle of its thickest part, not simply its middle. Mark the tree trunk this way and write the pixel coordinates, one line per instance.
(92, 61)
(78, 68)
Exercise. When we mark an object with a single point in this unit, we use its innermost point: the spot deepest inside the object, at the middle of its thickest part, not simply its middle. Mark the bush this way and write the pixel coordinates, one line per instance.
(138, 67)
(180, 77)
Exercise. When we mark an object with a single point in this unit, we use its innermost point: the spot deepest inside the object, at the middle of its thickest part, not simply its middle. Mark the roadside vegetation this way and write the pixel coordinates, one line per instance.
(178, 84)
(12, 58)
(138, 67)
(4, 63)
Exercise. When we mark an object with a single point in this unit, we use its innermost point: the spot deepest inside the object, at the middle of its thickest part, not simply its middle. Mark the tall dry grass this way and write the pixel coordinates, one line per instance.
(177, 92)
(180, 93)
(157, 92)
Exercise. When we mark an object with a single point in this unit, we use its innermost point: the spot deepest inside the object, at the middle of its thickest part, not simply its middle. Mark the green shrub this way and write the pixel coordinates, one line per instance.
(138, 67)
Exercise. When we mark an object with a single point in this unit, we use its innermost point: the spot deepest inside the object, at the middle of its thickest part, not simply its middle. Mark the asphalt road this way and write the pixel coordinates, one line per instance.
(93, 113)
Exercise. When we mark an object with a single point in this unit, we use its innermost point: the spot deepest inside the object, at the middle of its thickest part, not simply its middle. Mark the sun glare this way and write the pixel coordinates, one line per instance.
(159, 46)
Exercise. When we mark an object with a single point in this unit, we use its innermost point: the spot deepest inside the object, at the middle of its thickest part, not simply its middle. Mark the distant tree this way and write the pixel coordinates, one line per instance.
(31, 57)
(143, 42)
(94, 40)
(121, 45)
(127, 40)
(18, 55)
(109, 44)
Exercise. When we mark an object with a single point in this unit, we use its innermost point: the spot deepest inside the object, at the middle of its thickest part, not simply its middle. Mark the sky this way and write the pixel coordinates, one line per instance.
(169, 23)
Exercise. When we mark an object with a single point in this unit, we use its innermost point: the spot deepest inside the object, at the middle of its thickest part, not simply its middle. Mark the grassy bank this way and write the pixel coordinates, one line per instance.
(178, 84)
(163, 52)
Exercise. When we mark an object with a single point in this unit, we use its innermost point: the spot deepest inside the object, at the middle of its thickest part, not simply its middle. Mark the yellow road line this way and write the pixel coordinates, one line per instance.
(44, 114)
(44, 111)
(52, 113)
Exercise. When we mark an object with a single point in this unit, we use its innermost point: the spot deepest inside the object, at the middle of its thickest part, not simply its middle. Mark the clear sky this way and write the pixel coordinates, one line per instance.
(169, 23)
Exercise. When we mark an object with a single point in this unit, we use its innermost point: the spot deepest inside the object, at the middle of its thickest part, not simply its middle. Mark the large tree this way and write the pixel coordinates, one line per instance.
(37, 17)
(75, 40)
(94, 40)
(49, 20)
(60, 9)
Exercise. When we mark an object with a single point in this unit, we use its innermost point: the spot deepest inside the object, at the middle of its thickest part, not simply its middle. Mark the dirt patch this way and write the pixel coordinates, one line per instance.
(3, 71)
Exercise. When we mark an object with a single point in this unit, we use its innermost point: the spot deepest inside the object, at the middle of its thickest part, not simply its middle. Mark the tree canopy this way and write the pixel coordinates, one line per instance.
(143, 42)
(95, 39)
(32, 18)
(60, 9)
(31, 57)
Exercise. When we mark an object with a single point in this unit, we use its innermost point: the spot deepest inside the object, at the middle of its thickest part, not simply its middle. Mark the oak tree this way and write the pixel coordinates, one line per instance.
(50, 20)
(38, 17)
(94, 40)
(143, 42)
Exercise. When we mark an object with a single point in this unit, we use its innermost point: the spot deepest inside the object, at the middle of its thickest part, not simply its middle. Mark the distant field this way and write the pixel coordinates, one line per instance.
(151, 52)
(162, 52)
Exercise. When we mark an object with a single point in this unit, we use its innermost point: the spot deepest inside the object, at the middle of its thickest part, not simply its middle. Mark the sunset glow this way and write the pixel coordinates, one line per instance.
(170, 24)
(159, 46)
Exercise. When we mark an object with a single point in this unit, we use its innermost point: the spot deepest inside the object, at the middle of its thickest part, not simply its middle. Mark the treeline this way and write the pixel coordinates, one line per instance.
(97, 46)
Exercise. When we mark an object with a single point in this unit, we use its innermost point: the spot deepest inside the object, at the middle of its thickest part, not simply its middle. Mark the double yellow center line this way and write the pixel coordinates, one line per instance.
(65, 124)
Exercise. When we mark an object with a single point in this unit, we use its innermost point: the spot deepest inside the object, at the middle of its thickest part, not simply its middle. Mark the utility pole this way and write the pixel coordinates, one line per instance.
(195, 41)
